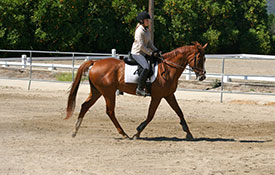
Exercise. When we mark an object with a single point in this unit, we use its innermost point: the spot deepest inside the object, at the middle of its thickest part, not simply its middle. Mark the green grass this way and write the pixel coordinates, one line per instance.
(216, 83)
(67, 77)
(64, 77)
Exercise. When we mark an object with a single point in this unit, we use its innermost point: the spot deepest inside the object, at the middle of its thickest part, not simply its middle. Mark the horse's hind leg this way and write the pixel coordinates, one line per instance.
(171, 99)
(90, 101)
(110, 110)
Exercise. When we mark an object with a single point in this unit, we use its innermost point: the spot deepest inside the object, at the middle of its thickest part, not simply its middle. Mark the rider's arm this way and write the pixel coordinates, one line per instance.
(139, 38)
(152, 46)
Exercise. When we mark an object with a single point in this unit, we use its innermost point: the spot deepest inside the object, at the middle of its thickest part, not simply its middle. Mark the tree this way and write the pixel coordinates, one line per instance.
(229, 26)
(254, 36)
(16, 29)
(271, 28)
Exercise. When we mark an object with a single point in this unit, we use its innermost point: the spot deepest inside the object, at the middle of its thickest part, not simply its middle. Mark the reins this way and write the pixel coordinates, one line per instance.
(175, 65)
(170, 63)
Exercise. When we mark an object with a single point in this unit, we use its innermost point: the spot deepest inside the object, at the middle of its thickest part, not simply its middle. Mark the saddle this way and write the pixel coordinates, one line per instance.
(133, 70)
(131, 61)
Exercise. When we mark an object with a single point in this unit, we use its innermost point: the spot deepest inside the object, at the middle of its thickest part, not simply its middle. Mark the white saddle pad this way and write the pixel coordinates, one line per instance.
(130, 77)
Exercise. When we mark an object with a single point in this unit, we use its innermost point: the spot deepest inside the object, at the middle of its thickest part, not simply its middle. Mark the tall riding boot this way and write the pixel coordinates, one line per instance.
(141, 83)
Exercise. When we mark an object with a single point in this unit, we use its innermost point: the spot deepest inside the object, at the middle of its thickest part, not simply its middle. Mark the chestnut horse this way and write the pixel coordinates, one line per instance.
(107, 75)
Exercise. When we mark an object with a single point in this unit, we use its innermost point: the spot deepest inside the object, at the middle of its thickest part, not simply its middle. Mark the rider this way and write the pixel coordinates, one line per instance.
(141, 48)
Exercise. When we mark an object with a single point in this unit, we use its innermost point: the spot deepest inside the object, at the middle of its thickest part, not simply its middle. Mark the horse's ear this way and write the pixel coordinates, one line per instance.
(205, 46)
(195, 42)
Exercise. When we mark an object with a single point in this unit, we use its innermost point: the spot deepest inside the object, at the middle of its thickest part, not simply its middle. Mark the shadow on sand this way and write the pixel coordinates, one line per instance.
(175, 139)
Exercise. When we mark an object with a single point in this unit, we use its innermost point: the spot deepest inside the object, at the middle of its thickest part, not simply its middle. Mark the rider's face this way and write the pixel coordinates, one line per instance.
(146, 22)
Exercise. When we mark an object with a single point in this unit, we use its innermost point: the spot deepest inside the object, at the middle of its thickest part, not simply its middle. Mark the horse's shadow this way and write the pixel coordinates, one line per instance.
(200, 139)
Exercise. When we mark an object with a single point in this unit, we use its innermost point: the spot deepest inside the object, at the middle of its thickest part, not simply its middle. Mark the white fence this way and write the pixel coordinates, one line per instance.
(27, 61)
(228, 77)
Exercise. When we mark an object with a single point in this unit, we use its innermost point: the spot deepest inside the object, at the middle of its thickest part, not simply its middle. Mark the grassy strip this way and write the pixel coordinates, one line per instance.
(67, 77)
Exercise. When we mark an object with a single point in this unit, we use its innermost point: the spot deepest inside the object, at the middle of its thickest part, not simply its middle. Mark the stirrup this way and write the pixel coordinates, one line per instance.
(140, 92)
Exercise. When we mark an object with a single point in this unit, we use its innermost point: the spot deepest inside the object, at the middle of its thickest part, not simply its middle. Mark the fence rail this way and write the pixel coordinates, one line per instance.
(29, 59)
(28, 62)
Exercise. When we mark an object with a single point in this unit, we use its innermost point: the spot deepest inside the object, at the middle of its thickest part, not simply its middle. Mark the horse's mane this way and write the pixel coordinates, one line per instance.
(175, 52)
(182, 49)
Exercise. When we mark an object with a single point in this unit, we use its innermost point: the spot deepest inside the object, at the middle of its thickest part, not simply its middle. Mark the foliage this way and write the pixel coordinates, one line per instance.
(215, 83)
(16, 31)
(229, 26)
(271, 28)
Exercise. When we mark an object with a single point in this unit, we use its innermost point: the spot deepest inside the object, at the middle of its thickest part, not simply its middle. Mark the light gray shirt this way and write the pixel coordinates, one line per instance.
(143, 44)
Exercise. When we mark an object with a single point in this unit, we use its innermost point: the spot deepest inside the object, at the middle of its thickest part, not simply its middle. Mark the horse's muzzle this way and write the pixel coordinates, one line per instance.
(201, 76)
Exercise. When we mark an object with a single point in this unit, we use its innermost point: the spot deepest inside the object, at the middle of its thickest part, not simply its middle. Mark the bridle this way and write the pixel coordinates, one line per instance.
(175, 65)
(195, 68)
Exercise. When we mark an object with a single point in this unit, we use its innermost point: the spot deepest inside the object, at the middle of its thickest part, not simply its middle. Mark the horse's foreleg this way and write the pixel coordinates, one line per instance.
(110, 110)
(84, 108)
(152, 110)
(171, 99)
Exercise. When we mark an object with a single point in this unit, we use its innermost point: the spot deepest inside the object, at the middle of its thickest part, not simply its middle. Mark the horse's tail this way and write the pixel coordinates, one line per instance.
(74, 88)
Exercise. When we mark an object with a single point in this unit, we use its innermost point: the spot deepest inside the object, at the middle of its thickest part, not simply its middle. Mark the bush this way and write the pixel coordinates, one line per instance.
(271, 28)
(230, 26)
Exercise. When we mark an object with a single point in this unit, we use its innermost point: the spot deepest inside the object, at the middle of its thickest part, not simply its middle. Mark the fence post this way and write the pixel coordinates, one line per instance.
(52, 67)
(222, 79)
(114, 53)
(24, 60)
(226, 79)
(188, 77)
(6, 64)
(30, 76)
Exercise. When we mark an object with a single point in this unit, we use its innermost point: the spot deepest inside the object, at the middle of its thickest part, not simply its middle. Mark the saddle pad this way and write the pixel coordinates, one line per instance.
(130, 77)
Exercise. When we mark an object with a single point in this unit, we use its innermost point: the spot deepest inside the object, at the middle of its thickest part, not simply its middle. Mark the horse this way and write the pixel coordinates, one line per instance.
(106, 76)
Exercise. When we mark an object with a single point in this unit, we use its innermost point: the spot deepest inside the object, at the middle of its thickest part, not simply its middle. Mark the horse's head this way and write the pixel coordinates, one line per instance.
(197, 60)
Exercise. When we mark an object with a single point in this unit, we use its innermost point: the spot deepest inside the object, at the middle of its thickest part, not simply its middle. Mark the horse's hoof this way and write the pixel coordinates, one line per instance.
(189, 137)
(126, 138)
(136, 137)
(73, 135)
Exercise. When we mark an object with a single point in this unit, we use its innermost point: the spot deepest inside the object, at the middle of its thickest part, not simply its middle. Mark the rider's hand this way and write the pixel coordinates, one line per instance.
(156, 54)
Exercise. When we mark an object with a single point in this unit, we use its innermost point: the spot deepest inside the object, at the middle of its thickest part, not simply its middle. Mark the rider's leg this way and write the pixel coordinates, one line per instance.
(141, 60)
(141, 83)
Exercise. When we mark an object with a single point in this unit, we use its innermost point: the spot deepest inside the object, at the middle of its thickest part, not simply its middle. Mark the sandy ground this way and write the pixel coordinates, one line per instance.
(234, 137)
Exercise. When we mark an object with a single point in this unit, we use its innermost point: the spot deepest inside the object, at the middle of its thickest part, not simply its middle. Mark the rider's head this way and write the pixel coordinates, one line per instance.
(143, 18)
